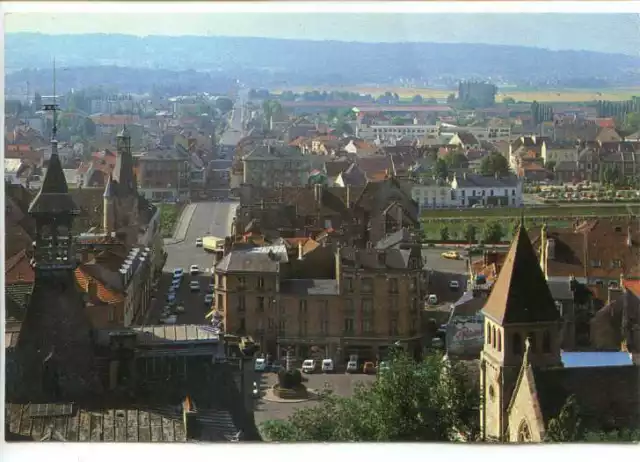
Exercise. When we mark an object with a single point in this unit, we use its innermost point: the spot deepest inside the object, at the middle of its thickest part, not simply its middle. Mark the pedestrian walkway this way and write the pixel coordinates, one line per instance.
(183, 225)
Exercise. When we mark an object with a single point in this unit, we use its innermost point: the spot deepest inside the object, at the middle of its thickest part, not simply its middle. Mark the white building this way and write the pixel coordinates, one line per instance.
(11, 169)
(382, 132)
(492, 134)
(430, 193)
(471, 189)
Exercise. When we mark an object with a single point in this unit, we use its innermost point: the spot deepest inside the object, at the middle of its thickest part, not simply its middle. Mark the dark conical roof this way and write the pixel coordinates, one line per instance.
(53, 196)
(109, 190)
(521, 293)
(124, 133)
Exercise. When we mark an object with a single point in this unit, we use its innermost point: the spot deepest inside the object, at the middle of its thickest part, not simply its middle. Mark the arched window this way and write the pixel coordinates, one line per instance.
(488, 334)
(532, 341)
(546, 342)
(493, 335)
(517, 344)
(524, 433)
(499, 341)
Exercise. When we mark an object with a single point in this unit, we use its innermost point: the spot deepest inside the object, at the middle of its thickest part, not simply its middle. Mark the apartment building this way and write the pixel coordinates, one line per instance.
(469, 189)
(270, 166)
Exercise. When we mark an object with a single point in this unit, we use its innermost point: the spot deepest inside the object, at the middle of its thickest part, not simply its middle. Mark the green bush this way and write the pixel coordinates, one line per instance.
(289, 379)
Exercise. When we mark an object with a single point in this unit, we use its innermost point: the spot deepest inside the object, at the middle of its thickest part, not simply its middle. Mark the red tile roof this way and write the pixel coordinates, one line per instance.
(121, 119)
(17, 269)
(633, 286)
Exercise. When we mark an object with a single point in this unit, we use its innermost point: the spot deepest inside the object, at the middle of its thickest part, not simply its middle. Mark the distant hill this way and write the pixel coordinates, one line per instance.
(259, 61)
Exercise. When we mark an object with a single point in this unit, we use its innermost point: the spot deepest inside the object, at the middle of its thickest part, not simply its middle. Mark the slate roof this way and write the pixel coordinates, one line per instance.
(394, 259)
(471, 180)
(249, 262)
(607, 396)
(310, 287)
(521, 293)
(53, 196)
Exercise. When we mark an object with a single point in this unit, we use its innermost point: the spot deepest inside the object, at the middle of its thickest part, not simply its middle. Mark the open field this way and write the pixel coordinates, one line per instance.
(540, 212)
(568, 95)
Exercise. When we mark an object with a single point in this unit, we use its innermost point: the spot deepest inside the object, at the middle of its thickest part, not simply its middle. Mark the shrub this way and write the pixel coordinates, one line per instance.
(289, 379)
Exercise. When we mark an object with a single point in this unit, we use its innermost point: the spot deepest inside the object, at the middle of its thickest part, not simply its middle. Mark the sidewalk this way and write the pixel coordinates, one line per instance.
(183, 225)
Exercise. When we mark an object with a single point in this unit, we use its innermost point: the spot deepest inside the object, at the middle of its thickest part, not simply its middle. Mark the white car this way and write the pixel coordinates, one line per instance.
(194, 286)
(199, 242)
(171, 319)
(327, 365)
(180, 309)
(260, 365)
(194, 270)
(208, 299)
(352, 367)
(308, 366)
(454, 285)
(432, 299)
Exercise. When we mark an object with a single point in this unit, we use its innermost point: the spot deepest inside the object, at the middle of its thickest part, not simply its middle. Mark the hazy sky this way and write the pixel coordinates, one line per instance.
(618, 33)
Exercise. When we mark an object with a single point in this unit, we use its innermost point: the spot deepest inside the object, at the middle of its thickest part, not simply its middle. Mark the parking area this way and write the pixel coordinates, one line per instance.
(342, 384)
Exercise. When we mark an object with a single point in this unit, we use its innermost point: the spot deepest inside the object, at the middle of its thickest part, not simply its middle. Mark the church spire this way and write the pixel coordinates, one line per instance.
(123, 172)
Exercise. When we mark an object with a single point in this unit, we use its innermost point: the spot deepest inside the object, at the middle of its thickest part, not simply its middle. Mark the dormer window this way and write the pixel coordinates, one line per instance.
(596, 263)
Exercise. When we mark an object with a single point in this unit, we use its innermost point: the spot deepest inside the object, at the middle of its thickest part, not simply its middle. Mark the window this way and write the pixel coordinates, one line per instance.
(596, 263)
(393, 286)
(348, 325)
(517, 344)
(367, 307)
(488, 334)
(613, 284)
(302, 306)
(271, 323)
(220, 306)
(241, 303)
(546, 342)
(260, 307)
(532, 341)
(616, 263)
(524, 434)
(348, 284)
(367, 285)
(499, 341)
(242, 325)
(393, 327)
(112, 313)
(241, 282)
(281, 327)
(493, 337)
(327, 224)
(260, 282)
(366, 326)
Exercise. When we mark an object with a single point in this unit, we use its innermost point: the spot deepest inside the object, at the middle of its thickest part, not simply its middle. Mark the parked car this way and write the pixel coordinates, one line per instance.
(327, 365)
(308, 366)
(180, 308)
(178, 273)
(352, 367)
(208, 299)
(211, 288)
(175, 285)
(171, 297)
(199, 242)
(276, 366)
(171, 319)
(451, 255)
(432, 299)
(454, 285)
(369, 368)
(260, 365)
(194, 286)
(194, 269)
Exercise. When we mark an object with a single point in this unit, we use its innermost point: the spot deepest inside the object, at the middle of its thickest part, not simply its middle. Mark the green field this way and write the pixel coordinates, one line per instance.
(555, 217)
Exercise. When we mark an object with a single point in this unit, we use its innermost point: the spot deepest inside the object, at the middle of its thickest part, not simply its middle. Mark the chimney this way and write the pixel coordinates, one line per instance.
(629, 237)
(190, 419)
(300, 254)
(92, 288)
(317, 190)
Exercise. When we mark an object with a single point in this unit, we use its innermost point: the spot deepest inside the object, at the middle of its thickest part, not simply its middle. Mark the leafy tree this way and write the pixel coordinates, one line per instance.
(456, 159)
(451, 98)
(37, 101)
(567, 426)
(430, 400)
(470, 232)
(435, 101)
(493, 233)
(508, 100)
(494, 163)
(441, 169)
(224, 104)
(88, 127)
(397, 121)
(444, 233)
(550, 165)
(417, 99)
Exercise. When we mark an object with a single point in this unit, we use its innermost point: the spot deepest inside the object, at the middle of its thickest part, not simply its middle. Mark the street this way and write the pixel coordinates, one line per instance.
(234, 133)
(441, 272)
(209, 218)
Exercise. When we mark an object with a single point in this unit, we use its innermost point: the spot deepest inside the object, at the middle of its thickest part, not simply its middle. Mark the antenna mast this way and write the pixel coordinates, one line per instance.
(53, 108)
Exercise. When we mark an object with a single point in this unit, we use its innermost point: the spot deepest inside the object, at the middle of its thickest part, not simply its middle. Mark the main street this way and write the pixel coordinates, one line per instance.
(235, 131)
(209, 219)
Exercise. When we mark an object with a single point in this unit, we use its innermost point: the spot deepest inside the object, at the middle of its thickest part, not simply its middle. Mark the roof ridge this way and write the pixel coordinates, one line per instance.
(11, 262)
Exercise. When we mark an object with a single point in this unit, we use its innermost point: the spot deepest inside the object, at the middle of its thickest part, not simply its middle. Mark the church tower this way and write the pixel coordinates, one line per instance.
(123, 192)
(55, 348)
(519, 308)
(109, 207)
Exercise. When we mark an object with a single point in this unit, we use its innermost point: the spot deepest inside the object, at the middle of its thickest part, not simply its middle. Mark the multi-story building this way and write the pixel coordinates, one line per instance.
(328, 302)
(596, 158)
(471, 189)
(432, 193)
(269, 166)
(382, 132)
(164, 174)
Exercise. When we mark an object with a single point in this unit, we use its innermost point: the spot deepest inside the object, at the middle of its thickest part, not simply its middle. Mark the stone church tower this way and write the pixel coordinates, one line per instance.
(120, 197)
(520, 308)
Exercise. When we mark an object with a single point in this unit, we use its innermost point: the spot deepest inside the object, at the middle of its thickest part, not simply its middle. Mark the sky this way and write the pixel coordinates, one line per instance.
(613, 33)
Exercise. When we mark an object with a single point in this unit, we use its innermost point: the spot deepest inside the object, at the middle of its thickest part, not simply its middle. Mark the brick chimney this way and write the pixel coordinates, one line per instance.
(190, 419)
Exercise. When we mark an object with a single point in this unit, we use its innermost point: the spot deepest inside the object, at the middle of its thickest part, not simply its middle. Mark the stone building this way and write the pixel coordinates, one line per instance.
(330, 300)
(524, 376)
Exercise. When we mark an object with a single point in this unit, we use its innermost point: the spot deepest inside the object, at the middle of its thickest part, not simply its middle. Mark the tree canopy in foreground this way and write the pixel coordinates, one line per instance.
(430, 400)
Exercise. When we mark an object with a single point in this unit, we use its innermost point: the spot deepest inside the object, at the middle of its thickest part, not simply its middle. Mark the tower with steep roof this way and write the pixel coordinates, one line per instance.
(519, 308)
(55, 348)
(109, 207)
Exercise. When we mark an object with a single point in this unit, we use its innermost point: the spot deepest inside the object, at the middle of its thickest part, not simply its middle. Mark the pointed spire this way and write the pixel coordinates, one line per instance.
(521, 293)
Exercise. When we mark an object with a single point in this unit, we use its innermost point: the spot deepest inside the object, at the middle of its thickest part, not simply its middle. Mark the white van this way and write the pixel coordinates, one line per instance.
(260, 365)
(308, 366)
(432, 299)
(327, 365)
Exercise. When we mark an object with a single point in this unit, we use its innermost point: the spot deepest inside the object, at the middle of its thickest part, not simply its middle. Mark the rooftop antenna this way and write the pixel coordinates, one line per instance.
(53, 108)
